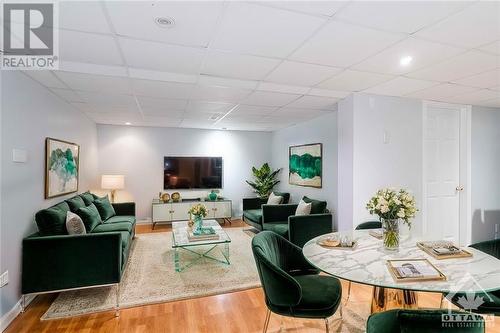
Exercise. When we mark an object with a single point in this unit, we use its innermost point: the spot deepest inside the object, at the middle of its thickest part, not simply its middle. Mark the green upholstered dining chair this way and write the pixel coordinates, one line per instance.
(420, 321)
(292, 287)
(369, 225)
(491, 299)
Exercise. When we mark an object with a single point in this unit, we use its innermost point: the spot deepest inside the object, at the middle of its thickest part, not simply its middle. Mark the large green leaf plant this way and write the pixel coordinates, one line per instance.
(264, 180)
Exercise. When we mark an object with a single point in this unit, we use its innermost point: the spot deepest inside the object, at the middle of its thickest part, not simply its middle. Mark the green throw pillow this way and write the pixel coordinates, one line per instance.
(52, 221)
(317, 207)
(90, 217)
(87, 197)
(76, 203)
(105, 208)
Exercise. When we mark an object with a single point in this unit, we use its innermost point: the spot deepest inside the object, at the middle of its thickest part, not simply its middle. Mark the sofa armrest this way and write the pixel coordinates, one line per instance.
(124, 208)
(53, 263)
(303, 228)
(253, 203)
(277, 213)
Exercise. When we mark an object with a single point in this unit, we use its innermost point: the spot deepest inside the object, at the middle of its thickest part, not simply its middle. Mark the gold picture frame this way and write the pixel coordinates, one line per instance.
(62, 167)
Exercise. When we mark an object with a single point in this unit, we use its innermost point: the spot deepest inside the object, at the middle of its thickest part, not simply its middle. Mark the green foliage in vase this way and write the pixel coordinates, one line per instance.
(306, 166)
(64, 165)
(264, 180)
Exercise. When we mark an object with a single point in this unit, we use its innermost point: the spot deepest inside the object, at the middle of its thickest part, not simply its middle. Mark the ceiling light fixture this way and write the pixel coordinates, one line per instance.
(165, 22)
(405, 61)
(226, 114)
(127, 123)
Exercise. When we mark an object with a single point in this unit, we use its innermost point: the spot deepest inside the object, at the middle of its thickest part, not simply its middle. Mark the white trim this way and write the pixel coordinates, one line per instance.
(9, 317)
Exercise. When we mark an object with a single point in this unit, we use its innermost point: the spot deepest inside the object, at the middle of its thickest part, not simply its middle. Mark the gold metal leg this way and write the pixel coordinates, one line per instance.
(266, 323)
(327, 324)
(385, 299)
(348, 292)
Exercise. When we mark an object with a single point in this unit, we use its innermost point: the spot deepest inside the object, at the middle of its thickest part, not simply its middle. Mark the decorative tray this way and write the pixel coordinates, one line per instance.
(414, 270)
(335, 244)
(443, 250)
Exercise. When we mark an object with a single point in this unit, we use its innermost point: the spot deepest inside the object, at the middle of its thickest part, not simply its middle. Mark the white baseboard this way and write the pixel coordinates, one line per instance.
(14, 312)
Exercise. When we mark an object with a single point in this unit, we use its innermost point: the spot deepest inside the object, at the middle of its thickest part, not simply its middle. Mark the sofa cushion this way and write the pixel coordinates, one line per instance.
(52, 221)
(274, 199)
(253, 215)
(105, 208)
(303, 208)
(317, 207)
(87, 197)
(281, 228)
(75, 203)
(90, 216)
(110, 227)
(74, 224)
(121, 218)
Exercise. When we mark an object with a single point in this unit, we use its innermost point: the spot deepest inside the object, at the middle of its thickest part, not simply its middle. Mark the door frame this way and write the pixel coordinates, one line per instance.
(465, 223)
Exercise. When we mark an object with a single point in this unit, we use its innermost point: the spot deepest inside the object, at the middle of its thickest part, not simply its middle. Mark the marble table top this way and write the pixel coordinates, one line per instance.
(366, 264)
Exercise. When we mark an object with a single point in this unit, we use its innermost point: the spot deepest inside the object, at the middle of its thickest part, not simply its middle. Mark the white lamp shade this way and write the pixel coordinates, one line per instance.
(112, 182)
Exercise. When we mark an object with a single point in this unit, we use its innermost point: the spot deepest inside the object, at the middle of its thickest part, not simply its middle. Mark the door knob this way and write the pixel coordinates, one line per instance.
(459, 188)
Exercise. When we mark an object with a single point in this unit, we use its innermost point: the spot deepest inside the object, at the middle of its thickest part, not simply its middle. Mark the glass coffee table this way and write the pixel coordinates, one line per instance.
(180, 241)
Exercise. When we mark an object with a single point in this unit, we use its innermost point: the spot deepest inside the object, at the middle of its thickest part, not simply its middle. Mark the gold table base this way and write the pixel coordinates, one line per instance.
(386, 299)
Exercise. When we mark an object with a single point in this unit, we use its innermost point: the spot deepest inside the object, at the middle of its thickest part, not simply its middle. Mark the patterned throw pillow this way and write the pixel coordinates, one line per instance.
(74, 224)
(274, 199)
(303, 208)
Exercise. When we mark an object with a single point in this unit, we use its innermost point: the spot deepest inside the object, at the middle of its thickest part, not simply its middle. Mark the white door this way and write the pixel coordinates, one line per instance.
(442, 181)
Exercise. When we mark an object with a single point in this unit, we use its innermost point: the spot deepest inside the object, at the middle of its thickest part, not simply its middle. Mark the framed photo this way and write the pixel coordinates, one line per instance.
(61, 167)
(305, 165)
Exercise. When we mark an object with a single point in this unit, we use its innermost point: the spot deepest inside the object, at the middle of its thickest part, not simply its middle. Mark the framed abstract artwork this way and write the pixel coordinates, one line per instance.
(305, 165)
(61, 167)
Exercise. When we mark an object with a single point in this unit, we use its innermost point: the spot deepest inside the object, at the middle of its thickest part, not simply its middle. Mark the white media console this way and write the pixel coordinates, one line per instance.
(166, 212)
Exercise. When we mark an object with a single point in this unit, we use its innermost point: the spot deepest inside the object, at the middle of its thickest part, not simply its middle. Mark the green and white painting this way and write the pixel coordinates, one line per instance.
(305, 164)
(61, 168)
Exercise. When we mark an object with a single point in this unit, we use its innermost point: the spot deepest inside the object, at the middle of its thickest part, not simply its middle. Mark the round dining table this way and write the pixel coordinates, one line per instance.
(366, 263)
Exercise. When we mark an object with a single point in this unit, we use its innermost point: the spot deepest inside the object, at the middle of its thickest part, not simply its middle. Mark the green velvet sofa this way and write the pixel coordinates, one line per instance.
(52, 260)
(298, 229)
(252, 209)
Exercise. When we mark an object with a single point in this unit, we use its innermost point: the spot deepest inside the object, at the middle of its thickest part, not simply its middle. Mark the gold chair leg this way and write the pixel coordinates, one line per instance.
(348, 292)
(266, 323)
(327, 324)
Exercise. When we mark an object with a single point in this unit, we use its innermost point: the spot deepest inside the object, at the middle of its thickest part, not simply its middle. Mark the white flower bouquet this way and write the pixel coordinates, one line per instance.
(199, 210)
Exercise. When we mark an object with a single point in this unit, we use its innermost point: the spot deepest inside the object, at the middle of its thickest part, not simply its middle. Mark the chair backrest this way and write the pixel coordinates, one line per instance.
(492, 247)
(270, 252)
(369, 225)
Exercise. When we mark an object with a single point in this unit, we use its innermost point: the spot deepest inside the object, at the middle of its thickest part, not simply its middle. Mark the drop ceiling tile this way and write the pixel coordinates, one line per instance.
(208, 107)
(219, 94)
(106, 99)
(162, 76)
(441, 91)
(282, 88)
(461, 66)
(260, 30)
(342, 45)
(76, 15)
(238, 66)
(162, 89)
(326, 8)
(88, 48)
(46, 78)
(98, 83)
(424, 53)
(115, 118)
(328, 93)
(296, 114)
(92, 108)
(67, 95)
(162, 57)
(302, 74)
(488, 79)
(400, 86)
(398, 16)
(476, 25)
(208, 80)
(163, 112)
(350, 80)
(237, 117)
(194, 22)
(491, 47)
(314, 102)
(157, 121)
(253, 109)
(476, 97)
(266, 98)
(162, 103)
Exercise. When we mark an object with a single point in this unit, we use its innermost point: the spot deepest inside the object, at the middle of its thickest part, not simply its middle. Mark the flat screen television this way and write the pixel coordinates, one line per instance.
(192, 172)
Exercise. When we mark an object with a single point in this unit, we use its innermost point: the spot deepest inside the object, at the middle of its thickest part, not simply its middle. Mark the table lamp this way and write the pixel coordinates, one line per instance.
(113, 183)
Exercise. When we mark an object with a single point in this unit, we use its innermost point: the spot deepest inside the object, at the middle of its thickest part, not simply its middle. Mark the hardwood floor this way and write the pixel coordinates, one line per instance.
(242, 311)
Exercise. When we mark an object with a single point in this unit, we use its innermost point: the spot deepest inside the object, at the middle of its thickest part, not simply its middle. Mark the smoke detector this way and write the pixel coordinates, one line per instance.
(165, 22)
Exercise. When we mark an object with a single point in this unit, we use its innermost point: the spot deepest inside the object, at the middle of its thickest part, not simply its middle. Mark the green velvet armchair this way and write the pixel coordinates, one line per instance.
(422, 321)
(369, 225)
(491, 299)
(292, 287)
(252, 209)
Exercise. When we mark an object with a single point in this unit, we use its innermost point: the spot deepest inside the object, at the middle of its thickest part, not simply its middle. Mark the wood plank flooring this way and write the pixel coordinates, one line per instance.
(238, 312)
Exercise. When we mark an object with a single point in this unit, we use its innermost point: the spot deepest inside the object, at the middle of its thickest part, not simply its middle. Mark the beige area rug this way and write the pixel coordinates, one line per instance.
(150, 277)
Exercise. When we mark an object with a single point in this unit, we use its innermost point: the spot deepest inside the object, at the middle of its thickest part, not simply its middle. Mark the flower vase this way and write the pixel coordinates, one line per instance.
(198, 224)
(391, 234)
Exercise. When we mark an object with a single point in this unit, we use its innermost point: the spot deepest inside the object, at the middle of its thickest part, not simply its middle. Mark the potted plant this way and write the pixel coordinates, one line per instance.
(392, 207)
(199, 211)
(265, 180)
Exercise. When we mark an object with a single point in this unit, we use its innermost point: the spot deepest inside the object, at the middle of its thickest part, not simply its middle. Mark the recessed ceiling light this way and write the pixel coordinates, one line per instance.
(165, 22)
(127, 123)
(405, 61)
(224, 128)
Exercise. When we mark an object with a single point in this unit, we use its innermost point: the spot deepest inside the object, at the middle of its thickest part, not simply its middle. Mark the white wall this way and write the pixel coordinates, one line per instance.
(320, 130)
(345, 125)
(485, 173)
(30, 113)
(137, 153)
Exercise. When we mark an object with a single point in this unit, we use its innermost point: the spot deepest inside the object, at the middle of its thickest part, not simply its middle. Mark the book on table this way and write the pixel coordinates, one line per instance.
(206, 233)
(407, 270)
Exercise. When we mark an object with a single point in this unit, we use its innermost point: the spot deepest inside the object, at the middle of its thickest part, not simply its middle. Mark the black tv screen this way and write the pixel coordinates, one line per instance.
(192, 172)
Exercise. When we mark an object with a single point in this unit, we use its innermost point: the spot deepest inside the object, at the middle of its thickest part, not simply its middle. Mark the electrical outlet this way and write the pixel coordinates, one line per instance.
(4, 279)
